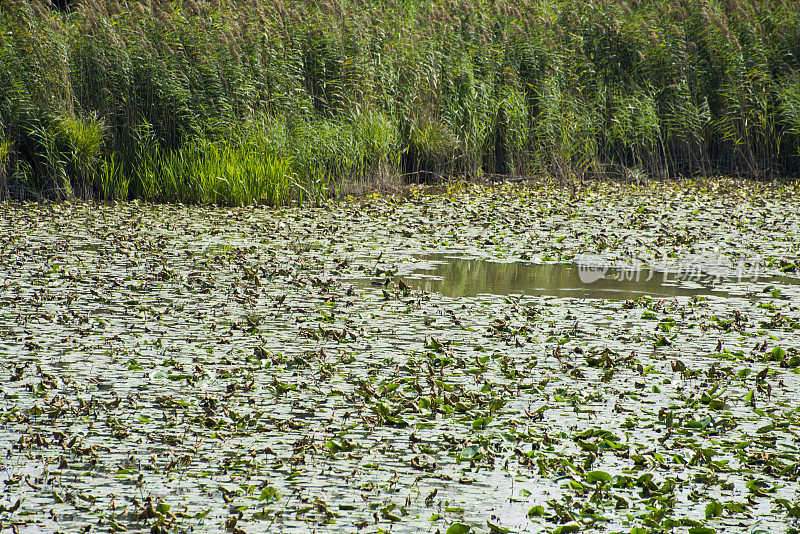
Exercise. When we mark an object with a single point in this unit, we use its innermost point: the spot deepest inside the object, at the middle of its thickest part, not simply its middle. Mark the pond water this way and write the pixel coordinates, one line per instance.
(457, 276)
(445, 361)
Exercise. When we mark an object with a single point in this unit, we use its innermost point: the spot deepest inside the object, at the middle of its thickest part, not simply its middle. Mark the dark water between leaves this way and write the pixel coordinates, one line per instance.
(458, 276)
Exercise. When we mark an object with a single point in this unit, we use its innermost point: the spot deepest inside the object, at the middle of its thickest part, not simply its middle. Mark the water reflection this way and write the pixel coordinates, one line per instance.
(467, 277)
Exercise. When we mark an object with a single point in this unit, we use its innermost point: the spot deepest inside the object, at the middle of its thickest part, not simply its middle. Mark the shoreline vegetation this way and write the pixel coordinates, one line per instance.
(226, 102)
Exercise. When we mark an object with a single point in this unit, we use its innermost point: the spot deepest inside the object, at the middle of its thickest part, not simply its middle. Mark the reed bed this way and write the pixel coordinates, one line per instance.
(215, 101)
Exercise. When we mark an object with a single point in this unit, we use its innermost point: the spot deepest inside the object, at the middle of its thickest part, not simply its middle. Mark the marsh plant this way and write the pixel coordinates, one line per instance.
(340, 94)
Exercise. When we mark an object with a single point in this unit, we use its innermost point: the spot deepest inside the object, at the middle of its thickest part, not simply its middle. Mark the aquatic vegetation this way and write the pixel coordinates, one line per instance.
(169, 367)
(359, 97)
(215, 173)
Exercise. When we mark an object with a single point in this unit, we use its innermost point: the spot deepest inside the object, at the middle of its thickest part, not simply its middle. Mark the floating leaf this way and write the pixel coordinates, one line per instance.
(269, 494)
(569, 527)
(458, 528)
(469, 452)
(497, 529)
(598, 476)
(713, 509)
(536, 511)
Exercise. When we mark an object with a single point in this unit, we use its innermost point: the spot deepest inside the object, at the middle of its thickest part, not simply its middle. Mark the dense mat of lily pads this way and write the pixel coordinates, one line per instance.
(167, 368)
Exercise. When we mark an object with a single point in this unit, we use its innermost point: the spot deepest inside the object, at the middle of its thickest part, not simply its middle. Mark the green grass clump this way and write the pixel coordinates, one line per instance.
(210, 172)
(348, 94)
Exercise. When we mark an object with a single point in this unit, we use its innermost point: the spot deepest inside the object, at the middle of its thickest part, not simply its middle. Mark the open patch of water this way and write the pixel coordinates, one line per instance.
(458, 276)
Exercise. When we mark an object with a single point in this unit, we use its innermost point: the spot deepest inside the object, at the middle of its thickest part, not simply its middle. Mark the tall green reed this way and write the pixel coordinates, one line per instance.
(349, 93)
